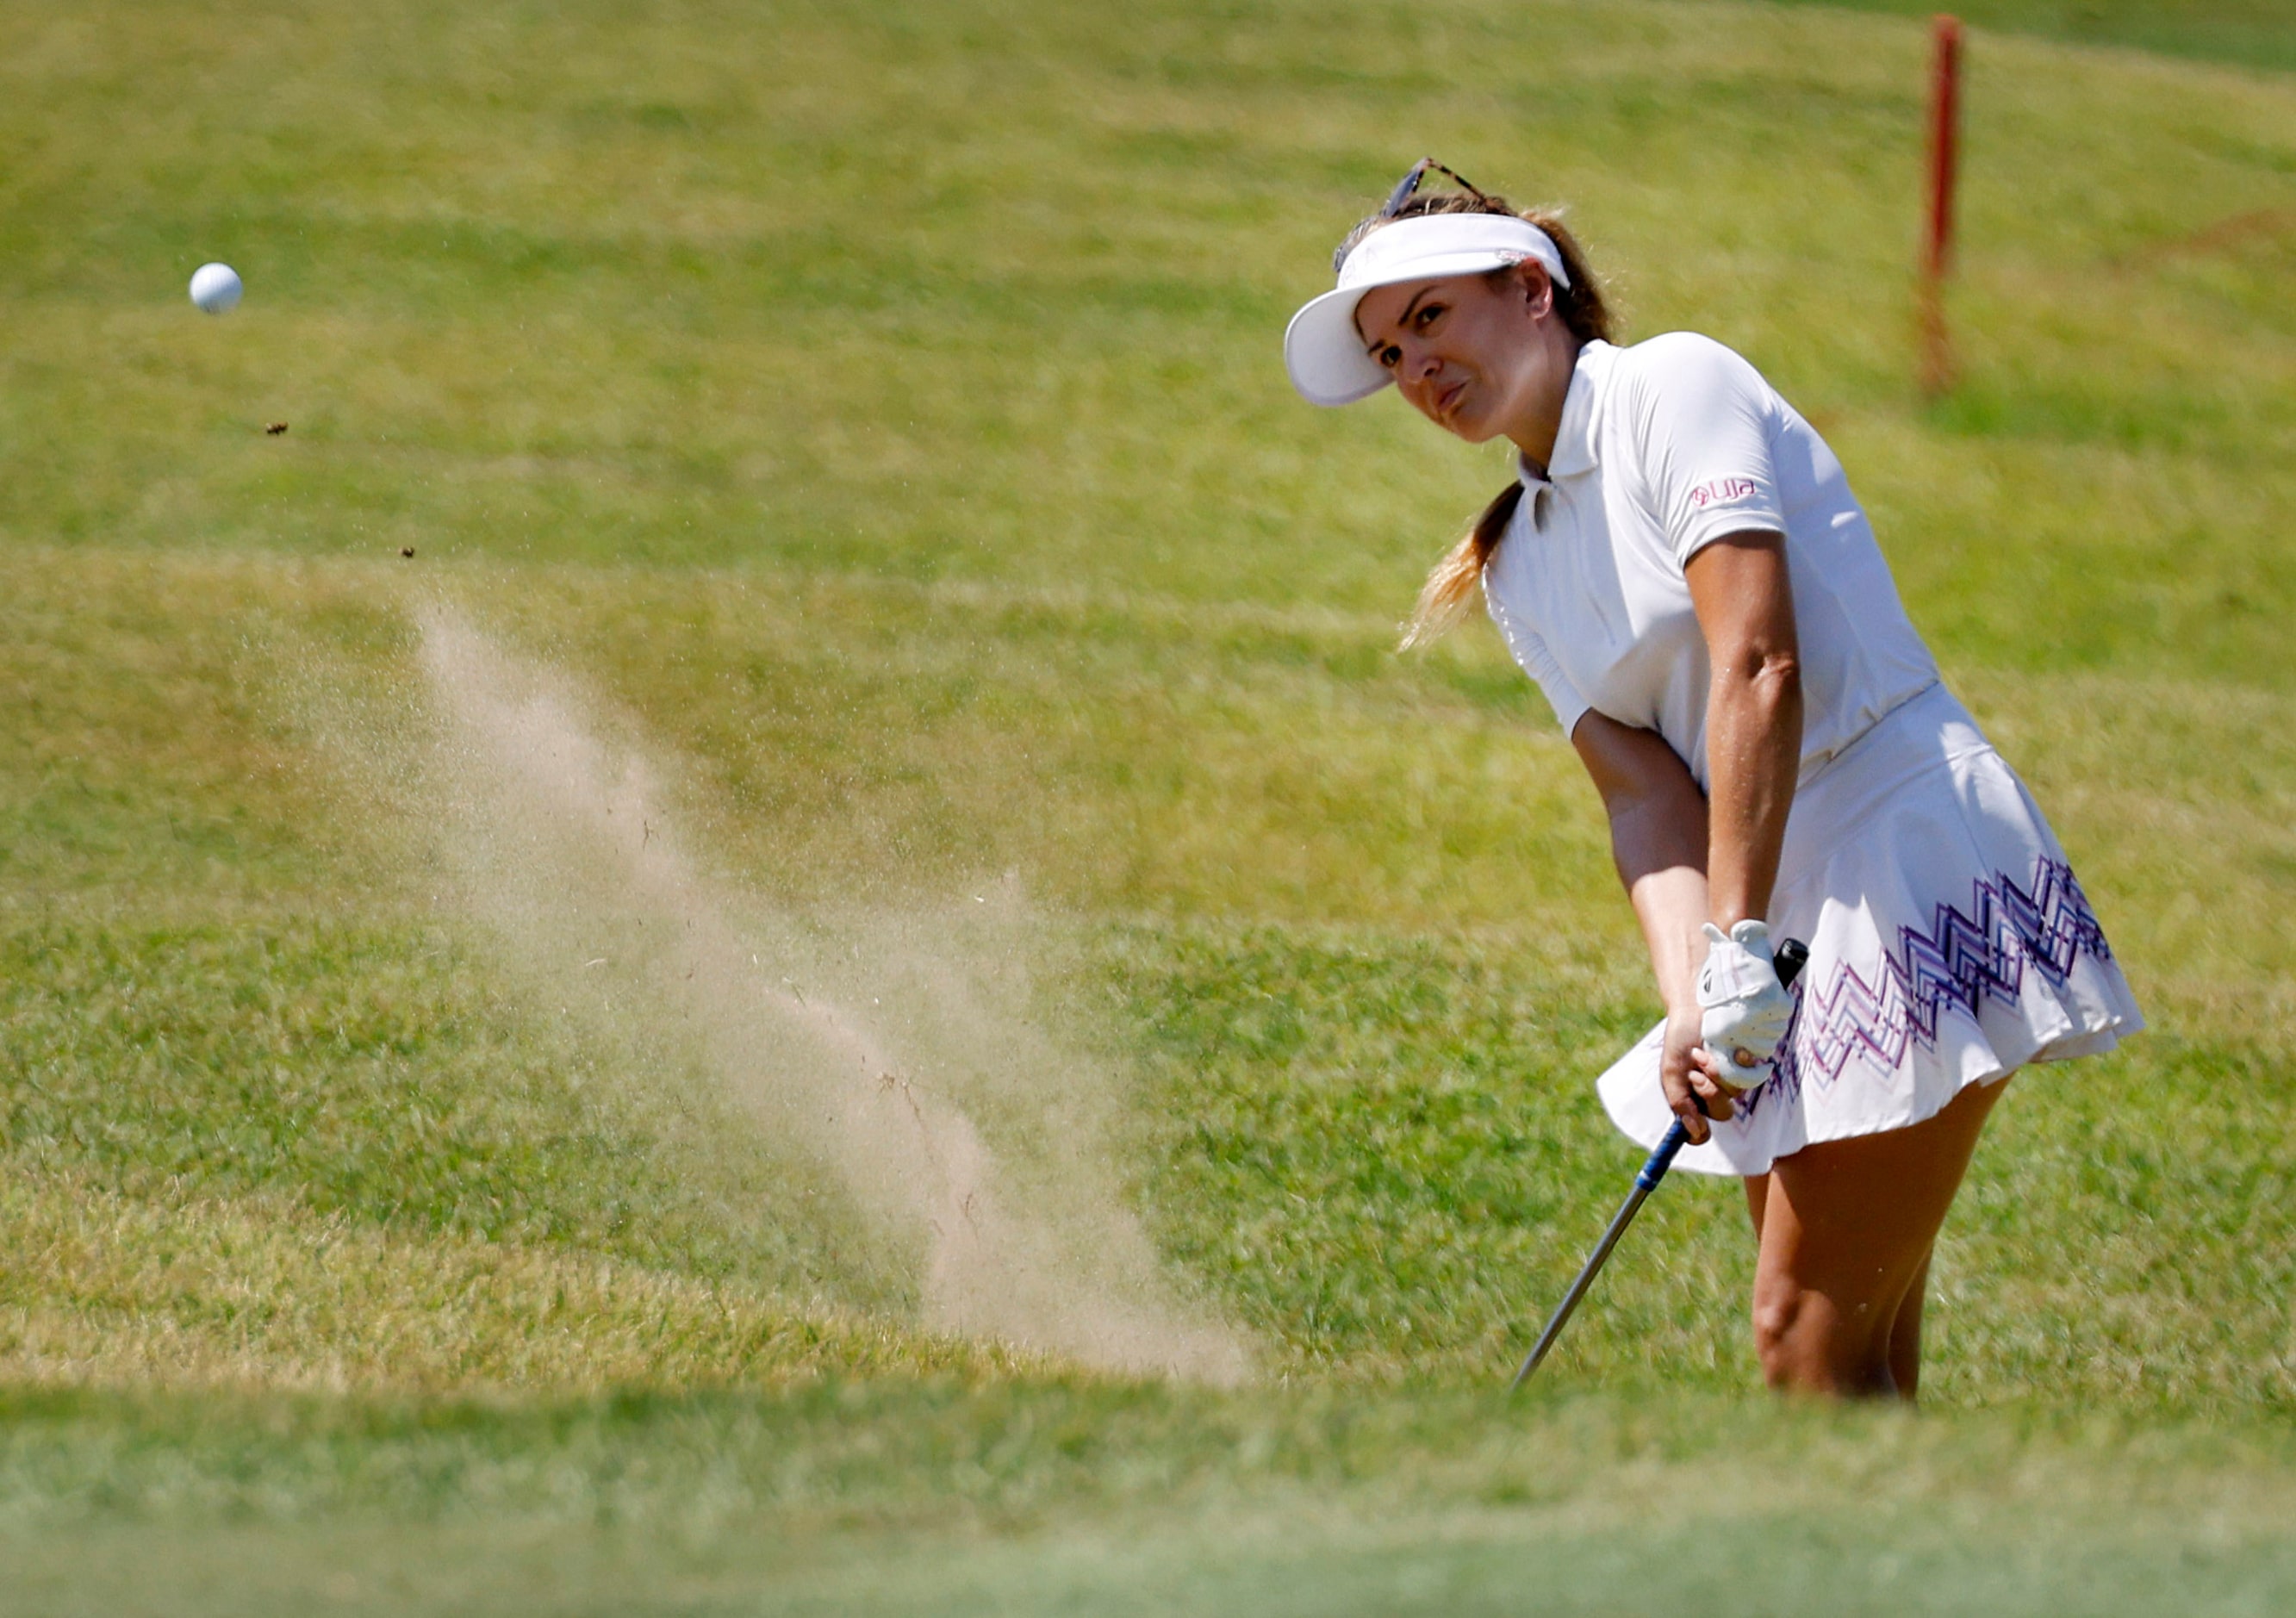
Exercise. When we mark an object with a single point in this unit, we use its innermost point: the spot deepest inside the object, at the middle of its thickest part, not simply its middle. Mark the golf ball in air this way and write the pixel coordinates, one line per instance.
(215, 288)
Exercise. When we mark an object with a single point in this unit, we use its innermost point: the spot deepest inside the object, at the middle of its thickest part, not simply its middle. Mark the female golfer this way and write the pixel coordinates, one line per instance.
(1681, 567)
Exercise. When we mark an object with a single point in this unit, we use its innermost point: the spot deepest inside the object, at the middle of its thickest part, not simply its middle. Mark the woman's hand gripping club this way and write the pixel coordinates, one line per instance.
(1720, 1048)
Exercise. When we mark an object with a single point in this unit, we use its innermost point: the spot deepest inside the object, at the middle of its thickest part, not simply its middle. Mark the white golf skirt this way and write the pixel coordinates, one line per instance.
(1949, 945)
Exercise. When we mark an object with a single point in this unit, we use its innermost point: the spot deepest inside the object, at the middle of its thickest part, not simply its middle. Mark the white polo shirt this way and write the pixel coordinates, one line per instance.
(1664, 448)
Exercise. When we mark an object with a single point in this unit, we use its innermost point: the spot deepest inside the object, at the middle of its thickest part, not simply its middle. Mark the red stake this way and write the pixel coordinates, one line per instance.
(1944, 119)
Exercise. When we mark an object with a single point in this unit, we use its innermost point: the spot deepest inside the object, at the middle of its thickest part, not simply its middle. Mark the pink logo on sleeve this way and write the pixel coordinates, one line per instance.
(1721, 488)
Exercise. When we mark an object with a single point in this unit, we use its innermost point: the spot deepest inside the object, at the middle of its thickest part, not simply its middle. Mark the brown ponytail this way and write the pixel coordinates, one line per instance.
(1451, 585)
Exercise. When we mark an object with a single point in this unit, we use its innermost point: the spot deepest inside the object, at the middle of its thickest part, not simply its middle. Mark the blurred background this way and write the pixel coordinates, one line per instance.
(852, 443)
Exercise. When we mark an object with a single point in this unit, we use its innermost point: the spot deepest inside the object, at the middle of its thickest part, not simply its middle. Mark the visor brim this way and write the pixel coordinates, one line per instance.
(1326, 354)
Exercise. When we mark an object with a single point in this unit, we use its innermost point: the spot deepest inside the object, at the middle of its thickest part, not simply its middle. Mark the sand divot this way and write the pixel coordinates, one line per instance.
(849, 1040)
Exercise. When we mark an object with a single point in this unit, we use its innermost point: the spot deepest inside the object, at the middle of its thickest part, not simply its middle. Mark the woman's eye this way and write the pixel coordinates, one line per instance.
(1426, 317)
(1391, 357)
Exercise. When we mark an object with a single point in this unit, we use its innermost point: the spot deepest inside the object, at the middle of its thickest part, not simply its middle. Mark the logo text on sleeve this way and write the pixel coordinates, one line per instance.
(1721, 488)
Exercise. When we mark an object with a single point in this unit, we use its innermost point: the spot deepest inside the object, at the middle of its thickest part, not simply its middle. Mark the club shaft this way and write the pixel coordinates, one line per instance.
(1653, 1170)
(1586, 1274)
(1790, 958)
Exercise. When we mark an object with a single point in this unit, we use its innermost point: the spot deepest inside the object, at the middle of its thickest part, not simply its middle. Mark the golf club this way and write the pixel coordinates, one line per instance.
(1793, 955)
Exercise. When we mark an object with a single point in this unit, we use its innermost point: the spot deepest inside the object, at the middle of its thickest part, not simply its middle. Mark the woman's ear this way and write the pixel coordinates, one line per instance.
(1538, 288)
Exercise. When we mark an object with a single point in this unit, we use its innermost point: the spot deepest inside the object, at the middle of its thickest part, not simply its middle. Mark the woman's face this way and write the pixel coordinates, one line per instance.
(1476, 354)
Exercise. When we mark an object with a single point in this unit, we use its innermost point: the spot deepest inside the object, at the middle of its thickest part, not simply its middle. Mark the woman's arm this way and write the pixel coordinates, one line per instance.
(1658, 842)
(1740, 590)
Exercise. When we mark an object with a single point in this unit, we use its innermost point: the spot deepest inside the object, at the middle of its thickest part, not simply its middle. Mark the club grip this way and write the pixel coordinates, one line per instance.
(1662, 1157)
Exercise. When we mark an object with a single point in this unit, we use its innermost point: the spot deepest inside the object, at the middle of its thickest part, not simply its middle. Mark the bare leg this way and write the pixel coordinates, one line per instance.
(1905, 1333)
(1846, 1228)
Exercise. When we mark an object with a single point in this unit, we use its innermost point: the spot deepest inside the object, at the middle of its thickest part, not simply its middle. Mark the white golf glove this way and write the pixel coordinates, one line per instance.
(1745, 1008)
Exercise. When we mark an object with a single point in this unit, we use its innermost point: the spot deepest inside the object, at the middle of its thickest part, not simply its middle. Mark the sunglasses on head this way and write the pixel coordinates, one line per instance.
(1404, 190)
(1408, 186)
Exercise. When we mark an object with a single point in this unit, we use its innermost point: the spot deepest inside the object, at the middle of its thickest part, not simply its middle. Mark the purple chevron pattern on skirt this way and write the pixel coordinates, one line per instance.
(1967, 956)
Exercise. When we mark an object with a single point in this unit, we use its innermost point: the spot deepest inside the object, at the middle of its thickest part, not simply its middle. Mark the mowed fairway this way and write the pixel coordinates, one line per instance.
(691, 1044)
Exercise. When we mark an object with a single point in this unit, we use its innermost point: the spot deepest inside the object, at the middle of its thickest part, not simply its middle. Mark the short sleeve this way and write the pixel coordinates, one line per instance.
(1531, 652)
(1701, 416)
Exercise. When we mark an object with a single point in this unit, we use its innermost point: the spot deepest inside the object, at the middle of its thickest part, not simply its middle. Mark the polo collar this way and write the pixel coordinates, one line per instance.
(1574, 436)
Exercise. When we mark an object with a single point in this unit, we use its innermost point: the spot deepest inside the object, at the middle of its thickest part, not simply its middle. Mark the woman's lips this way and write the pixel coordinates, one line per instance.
(1446, 400)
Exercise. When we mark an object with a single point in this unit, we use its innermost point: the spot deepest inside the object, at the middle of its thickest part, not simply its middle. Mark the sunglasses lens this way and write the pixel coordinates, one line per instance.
(1402, 192)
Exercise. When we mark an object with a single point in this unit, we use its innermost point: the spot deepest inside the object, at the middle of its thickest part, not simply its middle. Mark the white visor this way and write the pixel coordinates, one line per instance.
(1322, 348)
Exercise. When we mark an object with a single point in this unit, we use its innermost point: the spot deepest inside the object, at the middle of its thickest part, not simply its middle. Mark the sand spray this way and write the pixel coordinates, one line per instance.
(870, 1047)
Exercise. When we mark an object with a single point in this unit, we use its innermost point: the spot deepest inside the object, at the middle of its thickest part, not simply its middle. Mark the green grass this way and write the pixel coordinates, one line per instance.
(2253, 33)
(874, 419)
(1054, 1497)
